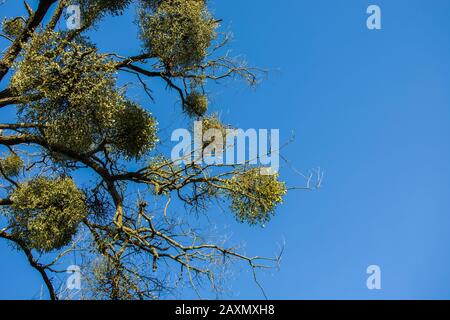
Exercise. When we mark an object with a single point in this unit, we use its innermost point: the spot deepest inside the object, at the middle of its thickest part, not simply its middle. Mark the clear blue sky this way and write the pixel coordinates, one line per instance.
(371, 108)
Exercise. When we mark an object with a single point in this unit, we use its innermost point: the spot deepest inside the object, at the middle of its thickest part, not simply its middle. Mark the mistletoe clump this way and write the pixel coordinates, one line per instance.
(179, 32)
(73, 97)
(134, 131)
(92, 10)
(254, 196)
(11, 165)
(212, 125)
(68, 88)
(104, 275)
(13, 27)
(196, 104)
(46, 212)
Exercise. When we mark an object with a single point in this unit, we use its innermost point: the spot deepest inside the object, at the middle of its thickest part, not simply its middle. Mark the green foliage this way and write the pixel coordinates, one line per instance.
(11, 165)
(212, 122)
(13, 27)
(46, 212)
(254, 196)
(79, 105)
(196, 104)
(76, 87)
(104, 275)
(179, 32)
(115, 7)
(134, 131)
(92, 10)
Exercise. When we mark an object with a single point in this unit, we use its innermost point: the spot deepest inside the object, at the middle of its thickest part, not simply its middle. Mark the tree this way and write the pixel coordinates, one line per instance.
(71, 116)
